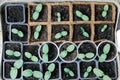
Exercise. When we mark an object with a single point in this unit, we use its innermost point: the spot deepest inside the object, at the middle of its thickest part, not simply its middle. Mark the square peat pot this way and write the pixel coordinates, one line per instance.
(59, 40)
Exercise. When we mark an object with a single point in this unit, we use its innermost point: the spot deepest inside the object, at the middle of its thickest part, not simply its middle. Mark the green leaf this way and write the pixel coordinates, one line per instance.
(102, 58)
(106, 49)
(81, 56)
(106, 7)
(36, 35)
(70, 48)
(89, 69)
(45, 49)
(45, 57)
(51, 67)
(59, 16)
(104, 13)
(34, 59)
(15, 31)
(58, 35)
(20, 34)
(67, 70)
(9, 52)
(35, 15)
(106, 77)
(71, 73)
(86, 34)
(89, 55)
(85, 18)
(85, 74)
(98, 72)
(18, 64)
(37, 74)
(38, 28)
(27, 73)
(78, 13)
(63, 54)
(47, 75)
(13, 73)
(17, 53)
(28, 55)
(104, 28)
(82, 29)
(64, 33)
(39, 8)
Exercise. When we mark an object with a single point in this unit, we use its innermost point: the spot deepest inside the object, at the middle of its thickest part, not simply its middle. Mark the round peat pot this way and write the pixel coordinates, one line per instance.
(107, 51)
(48, 52)
(87, 50)
(68, 52)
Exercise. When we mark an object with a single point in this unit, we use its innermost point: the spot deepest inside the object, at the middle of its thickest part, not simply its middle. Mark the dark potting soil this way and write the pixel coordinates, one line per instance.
(98, 13)
(33, 67)
(63, 10)
(109, 68)
(107, 34)
(72, 66)
(7, 68)
(87, 47)
(84, 66)
(15, 14)
(59, 28)
(71, 55)
(43, 34)
(53, 52)
(55, 73)
(33, 49)
(43, 16)
(23, 28)
(85, 9)
(77, 33)
(111, 53)
(14, 47)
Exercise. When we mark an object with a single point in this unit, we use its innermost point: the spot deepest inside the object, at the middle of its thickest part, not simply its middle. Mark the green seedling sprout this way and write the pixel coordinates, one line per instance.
(13, 53)
(100, 73)
(58, 16)
(14, 70)
(84, 32)
(104, 28)
(17, 32)
(51, 68)
(88, 55)
(37, 11)
(45, 50)
(61, 34)
(105, 10)
(31, 57)
(89, 69)
(106, 50)
(68, 71)
(29, 73)
(70, 48)
(81, 15)
(37, 31)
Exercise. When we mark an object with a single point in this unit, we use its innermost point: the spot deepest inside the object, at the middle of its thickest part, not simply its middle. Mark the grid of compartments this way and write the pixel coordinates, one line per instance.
(71, 23)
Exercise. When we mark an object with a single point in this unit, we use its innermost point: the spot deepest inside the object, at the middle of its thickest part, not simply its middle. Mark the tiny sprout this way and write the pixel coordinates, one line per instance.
(45, 50)
(84, 32)
(16, 31)
(61, 34)
(89, 69)
(13, 53)
(68, 71)
(70, 48)
(31, 57)
(105, 11)
(29, 73)
(59, 16)
(37, 30)
(82, 16)
(104, 28)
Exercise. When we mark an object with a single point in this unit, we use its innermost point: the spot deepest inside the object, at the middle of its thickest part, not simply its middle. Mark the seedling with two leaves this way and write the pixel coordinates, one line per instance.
(17, 32)
(69, 72)
(61, 34)
(13, 53)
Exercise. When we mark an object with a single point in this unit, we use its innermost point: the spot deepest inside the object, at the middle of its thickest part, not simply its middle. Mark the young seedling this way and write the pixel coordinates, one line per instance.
(14, 70)
(13, 53)
(106, 50)
(104, 28)
(31, 57)
(37, 11)
(45, 50)
(17, 32)
(105, 10)
(61, 34)
(29, 73)
(100, 73)
(81, 15)
(88, 55)
(58, 16)
(51, 68)
(89, 69)
(37, 31)
(70, 48)
(69, 72)
(84, 32)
